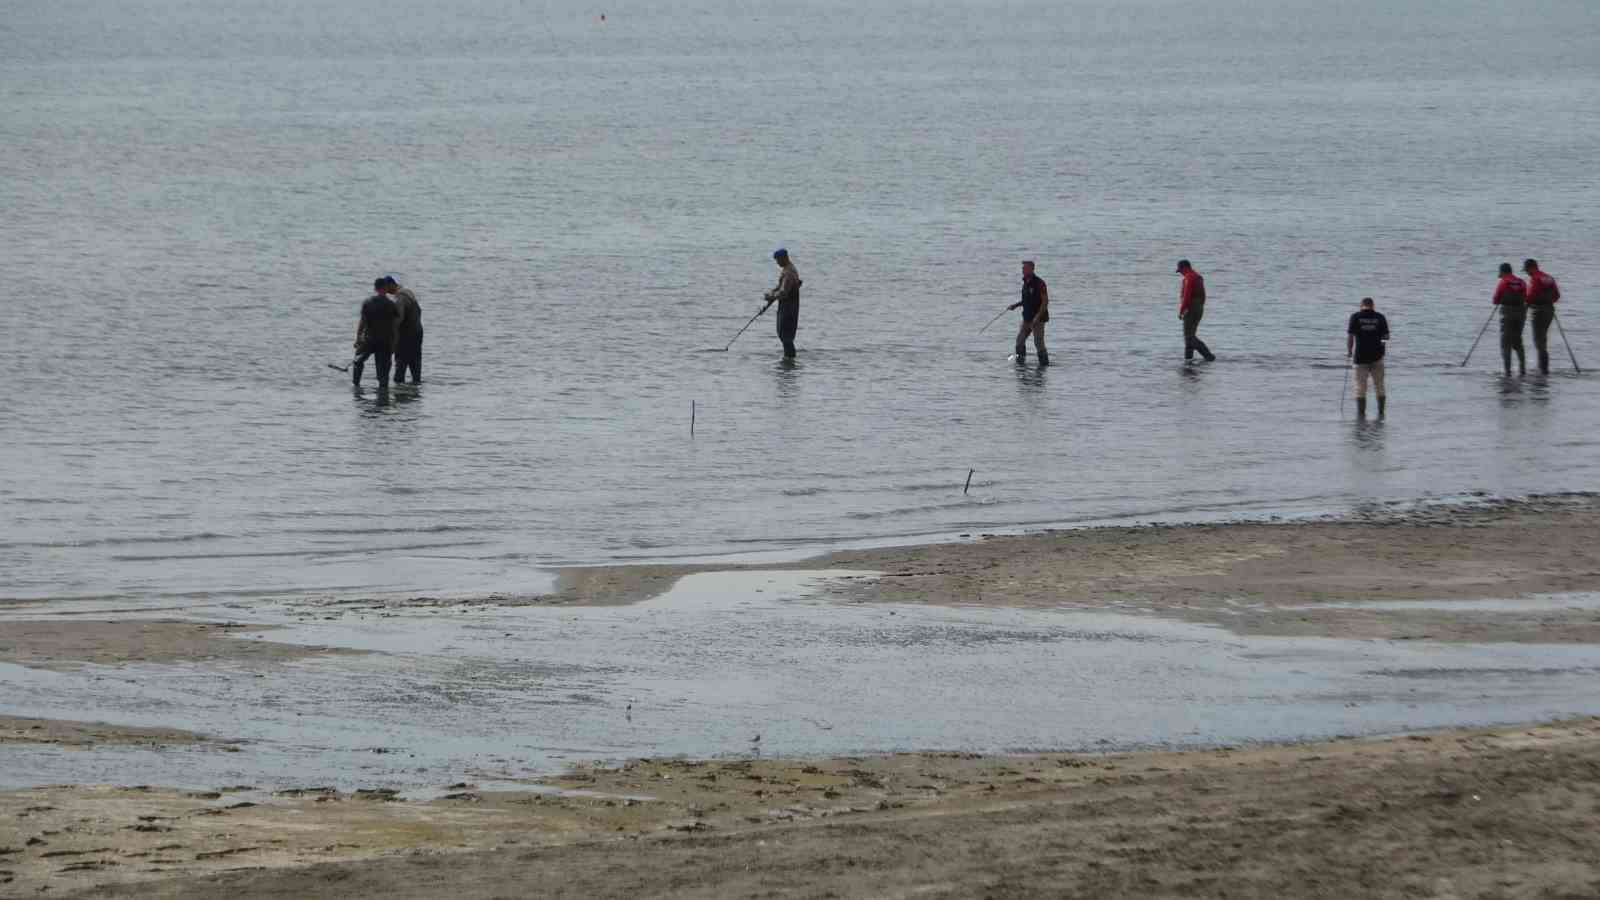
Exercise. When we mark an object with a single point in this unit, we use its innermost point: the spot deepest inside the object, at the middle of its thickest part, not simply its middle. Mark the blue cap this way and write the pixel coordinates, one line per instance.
(779, 253)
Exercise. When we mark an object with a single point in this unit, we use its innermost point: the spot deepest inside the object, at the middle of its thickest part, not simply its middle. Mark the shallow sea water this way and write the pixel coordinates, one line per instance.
(197, 196)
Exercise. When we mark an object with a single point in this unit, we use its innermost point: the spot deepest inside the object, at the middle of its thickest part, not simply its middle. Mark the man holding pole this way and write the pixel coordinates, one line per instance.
(1511, 295)
(787, 296)
(1365, 341)
(375, 335)
(1542, 296)
(1035, 305)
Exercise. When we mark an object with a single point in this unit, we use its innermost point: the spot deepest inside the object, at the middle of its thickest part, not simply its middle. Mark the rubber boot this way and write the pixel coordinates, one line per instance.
(1044, 358)
(1522, 361)
(1382, 402)
(1022, 353)
(1361, 407)
(1544, 362)
(1506, 356)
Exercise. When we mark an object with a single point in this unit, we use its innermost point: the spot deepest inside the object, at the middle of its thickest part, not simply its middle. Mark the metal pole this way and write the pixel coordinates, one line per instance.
(1344, 389)
(747, 325)
(994, 320)
(1480, 336)
(1564, 340)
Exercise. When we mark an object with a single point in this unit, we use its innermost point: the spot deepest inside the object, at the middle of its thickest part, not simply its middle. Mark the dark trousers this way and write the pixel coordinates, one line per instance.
(1543, 315)
(1512, 321)
(408, 354)
(383, 355)
(788, 324)
(1191, 340)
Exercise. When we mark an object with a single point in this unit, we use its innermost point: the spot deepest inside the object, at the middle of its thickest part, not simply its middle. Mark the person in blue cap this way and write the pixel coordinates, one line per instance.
(787, 296)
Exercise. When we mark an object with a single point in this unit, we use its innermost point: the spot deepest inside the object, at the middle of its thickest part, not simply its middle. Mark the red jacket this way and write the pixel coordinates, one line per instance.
(1542, 289)
(1511, 291)
(1193, 291)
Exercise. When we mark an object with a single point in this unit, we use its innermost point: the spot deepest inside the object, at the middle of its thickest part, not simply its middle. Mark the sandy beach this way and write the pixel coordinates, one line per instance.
(1503, 811)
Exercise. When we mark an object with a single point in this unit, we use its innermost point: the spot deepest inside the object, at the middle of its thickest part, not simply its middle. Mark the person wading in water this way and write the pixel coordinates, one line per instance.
(375, 335)
(1511, 295)
(1366, 339)
(1035, 305)
(1542, 296)
(787, 296)
(1191, 306)
(408, 332)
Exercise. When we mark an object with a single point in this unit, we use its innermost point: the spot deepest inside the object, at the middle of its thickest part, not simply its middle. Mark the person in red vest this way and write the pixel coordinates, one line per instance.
(1542, 296)
(1191, 306)
(1511, 295)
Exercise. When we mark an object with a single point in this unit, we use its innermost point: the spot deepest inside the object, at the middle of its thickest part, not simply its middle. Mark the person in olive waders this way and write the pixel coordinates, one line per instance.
(787, 296)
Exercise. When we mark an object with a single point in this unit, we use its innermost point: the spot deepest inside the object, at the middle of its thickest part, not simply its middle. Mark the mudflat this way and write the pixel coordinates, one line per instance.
(1278, 578)
(70, 643)
(1501, 812)
(1474, 813)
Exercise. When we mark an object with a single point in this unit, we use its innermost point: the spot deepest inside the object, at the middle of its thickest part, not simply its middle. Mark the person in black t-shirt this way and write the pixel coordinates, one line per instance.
(1365, 340)
(375, 335)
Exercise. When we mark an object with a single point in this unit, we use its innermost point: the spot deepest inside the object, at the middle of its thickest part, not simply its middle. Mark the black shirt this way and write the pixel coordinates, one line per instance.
(1371, 330)
(379, 315)
(1033, 291)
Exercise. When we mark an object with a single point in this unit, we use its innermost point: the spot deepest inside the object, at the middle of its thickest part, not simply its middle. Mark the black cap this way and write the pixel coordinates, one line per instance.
(1366, 301)
(1183, 264)
(1529, 264)
(1505, 268)
(388, 281)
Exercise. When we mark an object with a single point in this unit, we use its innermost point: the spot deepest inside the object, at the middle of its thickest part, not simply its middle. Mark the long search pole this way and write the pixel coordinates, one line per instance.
(994, 320)
(746, 325)
(1563, 331)
(1479, 338)
(1344, 389)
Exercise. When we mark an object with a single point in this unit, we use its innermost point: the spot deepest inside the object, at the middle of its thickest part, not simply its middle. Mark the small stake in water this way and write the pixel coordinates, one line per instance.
(969, 481)
(691, 418)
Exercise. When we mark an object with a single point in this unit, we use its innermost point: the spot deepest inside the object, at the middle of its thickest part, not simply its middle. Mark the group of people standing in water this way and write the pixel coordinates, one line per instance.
(1515, 298)
(392, 328)
(389, 331)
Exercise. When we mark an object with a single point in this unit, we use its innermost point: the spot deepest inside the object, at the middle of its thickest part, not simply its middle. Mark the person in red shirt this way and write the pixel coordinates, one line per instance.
(1542, 296)
(1511, 295)
(1191, 306)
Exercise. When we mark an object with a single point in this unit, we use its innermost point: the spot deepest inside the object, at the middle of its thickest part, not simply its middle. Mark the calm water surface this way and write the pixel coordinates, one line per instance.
(197, 196)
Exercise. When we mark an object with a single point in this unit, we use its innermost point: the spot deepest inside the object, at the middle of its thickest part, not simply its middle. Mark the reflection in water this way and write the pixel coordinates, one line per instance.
(788, 372)
(1030, 378)
(1367, 435)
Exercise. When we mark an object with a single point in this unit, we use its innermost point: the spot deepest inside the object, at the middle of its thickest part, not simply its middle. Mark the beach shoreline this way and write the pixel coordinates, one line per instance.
(1514, 572)
(1460, 812)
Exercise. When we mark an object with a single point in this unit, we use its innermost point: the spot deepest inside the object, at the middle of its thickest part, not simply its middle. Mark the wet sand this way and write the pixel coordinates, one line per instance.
(1507, 812)
(67, 644)
(1255, 578)
(84, 735)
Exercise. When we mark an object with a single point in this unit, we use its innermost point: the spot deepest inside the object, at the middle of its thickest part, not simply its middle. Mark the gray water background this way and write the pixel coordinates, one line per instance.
(196, 197)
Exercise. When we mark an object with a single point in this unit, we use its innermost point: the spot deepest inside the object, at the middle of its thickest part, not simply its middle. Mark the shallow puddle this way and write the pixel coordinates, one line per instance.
(757, 663)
